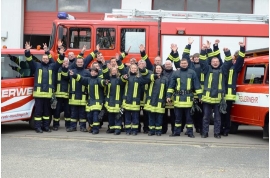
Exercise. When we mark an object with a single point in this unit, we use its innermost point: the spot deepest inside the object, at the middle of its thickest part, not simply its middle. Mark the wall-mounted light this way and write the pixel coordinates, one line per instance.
(4, 35)
(181, 31)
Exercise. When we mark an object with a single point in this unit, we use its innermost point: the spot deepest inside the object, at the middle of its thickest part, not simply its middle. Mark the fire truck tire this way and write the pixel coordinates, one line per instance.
(266, 127)
(234, 127)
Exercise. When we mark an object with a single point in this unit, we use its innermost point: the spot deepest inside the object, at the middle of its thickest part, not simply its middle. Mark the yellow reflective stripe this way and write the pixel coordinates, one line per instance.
(216, 52)
(186, 50)
(39, 76)
(80, 102)
(176, 59)
(59, 61)
(37, 118)
(121, 66)
(210, 80)
(161, 91)
(117, 127)
(92, 54)
(178, 84)
(105, 70)
(56, 119)
(145, 57)
(117, 93)
(111, 127)
(96, 92)
(198, 91)
(189, 125)
(83, 89)
(170, 90)
(50, 77)
(177, 125)
(159, 128)
(150, 88)
(123, 55)
(151, 127)
(241, 54)
(127, 126)
(58, 87)
(135, 90)
(40, 94)
(203, 57)
(145, 73)
(170, 57)
(188, 83)
(67, 119)
(50, 56)
(135, 126)
(202, 77)
(220, 81)
(152, 77)
(73, 120)
(126, 88)
(58, 76)
(46, 117)
(78, 77)
(211, 54)
(227, 58)
(73, 84)
(29, 58)
(64, 73)
(230, 76)
(82, 120)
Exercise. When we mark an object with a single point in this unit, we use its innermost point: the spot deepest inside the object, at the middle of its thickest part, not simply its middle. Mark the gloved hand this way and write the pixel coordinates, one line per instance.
(195, 107)
(53, 102)
(223, 106)
(100, 115)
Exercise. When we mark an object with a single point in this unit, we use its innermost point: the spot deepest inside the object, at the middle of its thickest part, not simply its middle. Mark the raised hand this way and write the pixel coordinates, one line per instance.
(168, 100)
(125, 76)
(217, 41)
(142, 48)
(225, 49)
(242, 44)
(71, 72)
(45, 47)
(204, 46)
(28, 46)
(83, 49)
(190, 40)
(98, 47)
(174, 47)
(59, 43)
(208, 44)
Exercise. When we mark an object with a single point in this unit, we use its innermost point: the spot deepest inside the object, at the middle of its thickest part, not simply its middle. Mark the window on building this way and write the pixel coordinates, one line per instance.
(73, 5)
(239, 6)
(105, 37)
(40, 5)
(78, 37)
(171, 5)
(254, 74)
(15, 66)
(104, 6)
(202, 5)
(133, 37)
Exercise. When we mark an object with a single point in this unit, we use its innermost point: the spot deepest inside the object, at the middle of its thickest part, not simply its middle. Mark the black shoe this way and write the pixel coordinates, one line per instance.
(70, 129)
(55, 128)
(158, 134)
(164, 132)
(150, 134)
(109, 131)
(191, 136)
(83, 129)
(198, 130)
(47, 130)
(94, 133)
(225, 134)
(39, 130)
(134, 133)
(204, 135)
(217, 136)
(145, 132)
(128, 133)
(117, 133)
(174, 135)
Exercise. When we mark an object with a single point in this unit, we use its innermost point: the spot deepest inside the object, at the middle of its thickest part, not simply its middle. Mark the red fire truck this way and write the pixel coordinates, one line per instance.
(157, 29)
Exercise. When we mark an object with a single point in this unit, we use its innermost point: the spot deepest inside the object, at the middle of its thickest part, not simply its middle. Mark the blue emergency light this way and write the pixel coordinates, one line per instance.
(64, 15)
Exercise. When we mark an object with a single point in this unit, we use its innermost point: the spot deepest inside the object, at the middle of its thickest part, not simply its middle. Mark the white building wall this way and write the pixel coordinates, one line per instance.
(137, 4)
(261, 7)
(12, 23)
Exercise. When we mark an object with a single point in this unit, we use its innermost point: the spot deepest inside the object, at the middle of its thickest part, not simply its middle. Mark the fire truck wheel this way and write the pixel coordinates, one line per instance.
(32, 122)
(266, 127)
(234, 127)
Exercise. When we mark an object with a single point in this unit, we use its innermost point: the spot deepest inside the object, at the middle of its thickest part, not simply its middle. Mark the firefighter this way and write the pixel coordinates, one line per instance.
(77, 96)
(156, 100)
(214, 88)
(131, 100)
(62, 98)
(94, 85)
(183, 83)
(43, 87)
(230, 86)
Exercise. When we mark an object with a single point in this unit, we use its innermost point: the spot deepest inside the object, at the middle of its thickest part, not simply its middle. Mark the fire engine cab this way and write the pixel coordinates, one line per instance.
(17, 82)
(252, 98)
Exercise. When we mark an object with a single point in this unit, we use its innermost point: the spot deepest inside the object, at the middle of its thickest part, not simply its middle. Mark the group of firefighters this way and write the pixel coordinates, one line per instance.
(201, 86)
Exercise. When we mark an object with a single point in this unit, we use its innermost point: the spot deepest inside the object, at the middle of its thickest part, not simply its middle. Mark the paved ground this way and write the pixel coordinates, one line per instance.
(61, 154)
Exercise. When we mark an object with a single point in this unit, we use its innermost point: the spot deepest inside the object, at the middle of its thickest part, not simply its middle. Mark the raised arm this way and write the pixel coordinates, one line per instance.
(174, 56)
(203, 60)
(240, 58)
(228, 61)
(90, 57)
(29, 59)
(144, 56)
(79, 78)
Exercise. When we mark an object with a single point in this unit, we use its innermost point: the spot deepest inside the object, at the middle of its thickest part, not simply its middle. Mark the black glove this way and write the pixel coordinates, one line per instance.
(100, 115)
(223, 106)
(195, 107)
